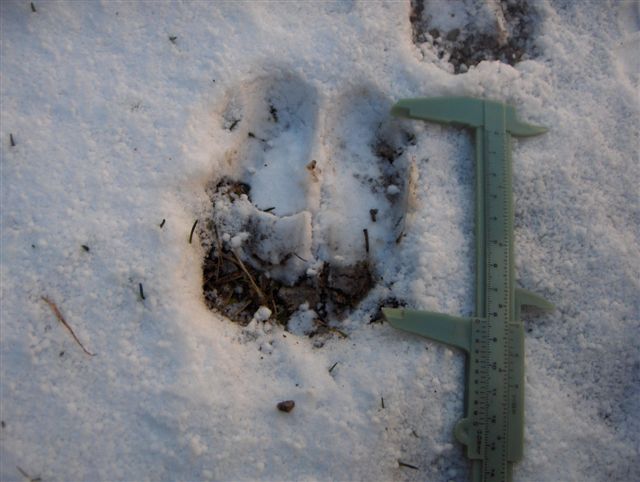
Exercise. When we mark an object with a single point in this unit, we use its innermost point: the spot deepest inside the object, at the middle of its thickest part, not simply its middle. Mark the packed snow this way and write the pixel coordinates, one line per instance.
(118, 119)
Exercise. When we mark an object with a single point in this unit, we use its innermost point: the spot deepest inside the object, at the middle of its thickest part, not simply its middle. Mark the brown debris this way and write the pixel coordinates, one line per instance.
(349, 284)
(403, 464)
(509, 41)
(286, 406)
(192, 230)
(22, 472)
(237, 281)
(56, 312)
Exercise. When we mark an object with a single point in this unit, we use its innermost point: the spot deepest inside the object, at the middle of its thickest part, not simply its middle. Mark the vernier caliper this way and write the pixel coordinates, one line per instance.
(493, 425)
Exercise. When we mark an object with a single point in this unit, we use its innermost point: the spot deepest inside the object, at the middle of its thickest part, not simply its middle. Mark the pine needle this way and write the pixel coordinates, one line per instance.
(56, 312)
(193, 228)
(403, 464)
(249, 277)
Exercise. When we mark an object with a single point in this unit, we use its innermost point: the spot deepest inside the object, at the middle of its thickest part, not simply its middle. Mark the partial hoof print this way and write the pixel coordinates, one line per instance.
(368, 157)
(284, 236)
(462, 33)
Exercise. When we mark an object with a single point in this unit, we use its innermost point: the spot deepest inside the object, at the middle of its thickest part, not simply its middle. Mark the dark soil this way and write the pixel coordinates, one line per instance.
(467, 47)
(236, 289)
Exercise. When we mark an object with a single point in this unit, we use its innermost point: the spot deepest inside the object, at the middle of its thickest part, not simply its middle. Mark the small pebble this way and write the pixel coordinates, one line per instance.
(286, 406)
(392, 190)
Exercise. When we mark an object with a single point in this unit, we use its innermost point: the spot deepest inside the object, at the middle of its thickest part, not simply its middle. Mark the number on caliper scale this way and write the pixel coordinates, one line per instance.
(493, 426)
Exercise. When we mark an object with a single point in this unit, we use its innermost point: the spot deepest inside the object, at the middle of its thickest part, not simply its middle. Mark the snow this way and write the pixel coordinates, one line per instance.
(117, 128)
(263, 314)
(272, 238)
(301, 322)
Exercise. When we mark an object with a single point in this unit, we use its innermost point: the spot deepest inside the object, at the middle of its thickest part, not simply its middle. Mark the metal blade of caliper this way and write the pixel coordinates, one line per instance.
(492, 428)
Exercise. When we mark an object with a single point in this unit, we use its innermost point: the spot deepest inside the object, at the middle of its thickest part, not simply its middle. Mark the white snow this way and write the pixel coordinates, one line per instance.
(302, 321)
(281, 241)
(117, 128)
(262, 314)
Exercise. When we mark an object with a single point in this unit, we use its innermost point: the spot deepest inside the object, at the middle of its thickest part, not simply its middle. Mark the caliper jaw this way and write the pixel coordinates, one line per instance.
(528, 298)
(451, 330)
(493, 426)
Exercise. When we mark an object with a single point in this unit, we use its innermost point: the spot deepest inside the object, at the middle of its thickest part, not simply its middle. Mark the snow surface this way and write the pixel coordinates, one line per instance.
(117, 127)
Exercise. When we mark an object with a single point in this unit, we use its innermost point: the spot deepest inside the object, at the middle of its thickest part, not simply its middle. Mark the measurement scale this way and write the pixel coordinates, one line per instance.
(493, 425)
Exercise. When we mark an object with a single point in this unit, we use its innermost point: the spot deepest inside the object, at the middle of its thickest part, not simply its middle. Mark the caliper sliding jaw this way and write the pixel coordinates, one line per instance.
(493, 425)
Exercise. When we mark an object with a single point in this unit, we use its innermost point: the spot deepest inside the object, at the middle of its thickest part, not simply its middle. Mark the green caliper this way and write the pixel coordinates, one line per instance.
(493, 425)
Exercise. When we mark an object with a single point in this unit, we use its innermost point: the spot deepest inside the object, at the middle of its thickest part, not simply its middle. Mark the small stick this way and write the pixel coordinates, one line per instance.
(162, 223)
(253, 136)
(237, 311)
(13, 143)
(218, 244)
(141, 291)
(56, 312)
(24, 474)
(300, 257)
(268, 210)
(332, 329)
(366, 239)
(382, 401)
(251, 280)
(218, 250)
(33, 7)
(332, 367)
(193, 228)
(226, 301)
(226, 279)
(338, 331)
(274, 309)
(402, 464)
(86, 248)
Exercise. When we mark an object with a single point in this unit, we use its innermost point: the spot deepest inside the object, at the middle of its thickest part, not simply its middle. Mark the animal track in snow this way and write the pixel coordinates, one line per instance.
(463, 33)
(370, 174)
(309, 201)
(274, 121)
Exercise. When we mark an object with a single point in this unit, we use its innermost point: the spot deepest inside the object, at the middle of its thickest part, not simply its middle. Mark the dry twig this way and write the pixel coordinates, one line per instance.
(249, 277)
(403, 464)
(193, 228)
(56, 312)
(22, 472)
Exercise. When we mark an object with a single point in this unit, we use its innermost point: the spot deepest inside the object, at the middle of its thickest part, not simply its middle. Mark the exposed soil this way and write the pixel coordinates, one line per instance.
(237, 289)
(509, 42)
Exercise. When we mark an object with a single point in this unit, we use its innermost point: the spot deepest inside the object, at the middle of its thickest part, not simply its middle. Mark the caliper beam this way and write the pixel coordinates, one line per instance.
(493, 426)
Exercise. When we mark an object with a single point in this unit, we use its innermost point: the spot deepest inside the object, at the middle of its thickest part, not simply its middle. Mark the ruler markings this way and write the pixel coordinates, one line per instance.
(493, 425)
